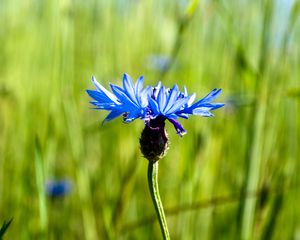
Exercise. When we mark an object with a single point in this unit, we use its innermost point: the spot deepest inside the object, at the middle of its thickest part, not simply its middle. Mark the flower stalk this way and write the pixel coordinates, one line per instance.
(154, 192)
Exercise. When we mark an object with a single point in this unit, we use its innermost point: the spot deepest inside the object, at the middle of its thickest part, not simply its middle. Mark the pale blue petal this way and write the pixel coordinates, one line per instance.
(139, 85)
(119, 92)
(185, 93)
(129, 88)
(161, 99)
(172, 98)
(210, 97)
(101, 89)
(145, 94)
(106, 106)
(138, 89)
(202, 111)
(177, 105)
(156, 90)
(191, 99)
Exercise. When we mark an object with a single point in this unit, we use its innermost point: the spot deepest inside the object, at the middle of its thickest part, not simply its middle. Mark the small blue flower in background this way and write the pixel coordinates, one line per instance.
(158, 62)
(56, 189)
(150, 103)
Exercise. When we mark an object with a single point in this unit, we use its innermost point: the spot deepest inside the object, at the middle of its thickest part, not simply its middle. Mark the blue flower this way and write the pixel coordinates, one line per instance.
(58, 188)
(152, 103)
(159, 62)
(131, 101)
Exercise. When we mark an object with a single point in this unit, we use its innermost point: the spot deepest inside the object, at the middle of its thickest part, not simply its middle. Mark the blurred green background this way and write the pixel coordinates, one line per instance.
(234, 176)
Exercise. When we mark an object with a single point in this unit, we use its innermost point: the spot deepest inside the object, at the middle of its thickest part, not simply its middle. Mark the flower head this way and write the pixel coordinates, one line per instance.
(154, 105)
(132, 101)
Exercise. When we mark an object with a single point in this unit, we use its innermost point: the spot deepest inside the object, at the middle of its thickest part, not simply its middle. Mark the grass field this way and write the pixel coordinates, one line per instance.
(233, 176)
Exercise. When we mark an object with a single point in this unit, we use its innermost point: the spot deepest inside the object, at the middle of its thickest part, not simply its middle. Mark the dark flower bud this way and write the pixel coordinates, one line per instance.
(154, 140)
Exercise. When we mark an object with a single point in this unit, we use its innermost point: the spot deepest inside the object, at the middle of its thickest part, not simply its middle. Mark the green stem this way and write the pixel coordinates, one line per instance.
(153, 187)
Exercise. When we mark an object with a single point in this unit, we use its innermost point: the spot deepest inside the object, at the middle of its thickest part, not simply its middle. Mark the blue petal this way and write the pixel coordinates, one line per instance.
(156, 90)
(112, 115)
(119, 92)
(102, 90)
(132, 115)
(210, 97)
(129, 88)
(98, 96)
(154, 106)
(217, 105)
(138, 88)
(191, 99)
(211, 106)
(172, 98)
(145, 94)
(202, 111)
(177, 105)
(179, 129)
(183, 115)
(161, 99)
(203, 106)
(106, 106)
(185, 93)
(171, 116)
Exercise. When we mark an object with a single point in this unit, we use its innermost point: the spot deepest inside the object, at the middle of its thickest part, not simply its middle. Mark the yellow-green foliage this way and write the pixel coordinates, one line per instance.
(234, 175)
